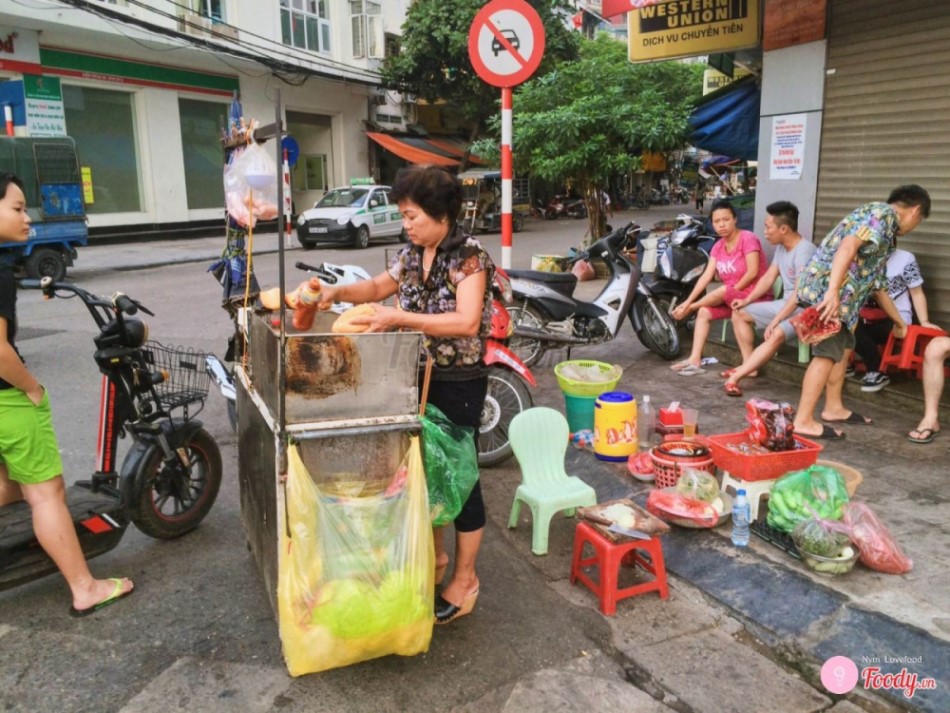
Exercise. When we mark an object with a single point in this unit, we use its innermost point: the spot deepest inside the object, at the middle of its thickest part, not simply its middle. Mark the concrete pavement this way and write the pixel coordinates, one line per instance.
(743, 630)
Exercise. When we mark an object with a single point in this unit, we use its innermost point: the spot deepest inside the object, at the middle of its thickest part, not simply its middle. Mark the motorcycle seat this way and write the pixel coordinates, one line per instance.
(552, 278)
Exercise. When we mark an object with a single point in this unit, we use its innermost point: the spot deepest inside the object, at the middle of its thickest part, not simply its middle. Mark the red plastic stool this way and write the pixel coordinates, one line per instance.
(608, 556)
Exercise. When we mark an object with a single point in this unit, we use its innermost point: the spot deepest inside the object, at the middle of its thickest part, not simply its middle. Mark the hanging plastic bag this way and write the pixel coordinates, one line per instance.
(801, 495)
(250, 185)
(357, 578)
(451, 464)
(583, 271)
(811, 329)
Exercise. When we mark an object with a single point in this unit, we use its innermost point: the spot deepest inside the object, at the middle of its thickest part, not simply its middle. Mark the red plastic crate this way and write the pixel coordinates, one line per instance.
(760, 466)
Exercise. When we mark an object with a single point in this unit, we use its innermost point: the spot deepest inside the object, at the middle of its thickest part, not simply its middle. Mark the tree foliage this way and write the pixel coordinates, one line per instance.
(433, 62)
(592, 119)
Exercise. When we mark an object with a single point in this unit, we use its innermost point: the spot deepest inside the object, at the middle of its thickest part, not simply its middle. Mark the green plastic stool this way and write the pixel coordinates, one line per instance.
(538, 437)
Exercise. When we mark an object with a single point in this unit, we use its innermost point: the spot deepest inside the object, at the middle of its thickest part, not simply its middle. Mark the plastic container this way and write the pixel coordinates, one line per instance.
(829, 566)
(670, 457)
(646, 424)
(580, 412)
(740, 519)
(610, 373)
(760, 466)
(615, 426)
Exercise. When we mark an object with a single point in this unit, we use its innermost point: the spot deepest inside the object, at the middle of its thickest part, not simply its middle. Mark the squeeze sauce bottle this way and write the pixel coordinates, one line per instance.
(308, 296)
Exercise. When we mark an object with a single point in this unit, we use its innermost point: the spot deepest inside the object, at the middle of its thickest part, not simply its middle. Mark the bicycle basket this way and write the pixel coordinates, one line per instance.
(186, 380)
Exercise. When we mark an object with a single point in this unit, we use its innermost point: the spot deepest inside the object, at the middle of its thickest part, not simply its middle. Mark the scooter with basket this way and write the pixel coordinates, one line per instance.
(170, 476)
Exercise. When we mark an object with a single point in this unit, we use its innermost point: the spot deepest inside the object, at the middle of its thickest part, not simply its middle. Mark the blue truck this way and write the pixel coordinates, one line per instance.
(49, 169)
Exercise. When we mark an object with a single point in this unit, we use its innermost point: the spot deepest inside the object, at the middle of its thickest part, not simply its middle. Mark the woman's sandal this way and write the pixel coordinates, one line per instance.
(732, 388)
(446, 611)
(924, 435)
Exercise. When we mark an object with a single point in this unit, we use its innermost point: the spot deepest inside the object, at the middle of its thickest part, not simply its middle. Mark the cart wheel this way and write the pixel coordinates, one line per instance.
(517, 222)
(46, 262)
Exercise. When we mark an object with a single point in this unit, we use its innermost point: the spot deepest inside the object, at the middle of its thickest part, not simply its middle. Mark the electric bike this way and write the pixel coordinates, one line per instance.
(171, 474)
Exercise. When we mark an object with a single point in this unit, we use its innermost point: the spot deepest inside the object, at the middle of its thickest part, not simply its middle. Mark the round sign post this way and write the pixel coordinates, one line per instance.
(505, 46)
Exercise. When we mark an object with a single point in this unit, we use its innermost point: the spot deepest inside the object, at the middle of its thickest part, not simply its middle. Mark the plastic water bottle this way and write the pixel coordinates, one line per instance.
(740, 519)
(646, 423)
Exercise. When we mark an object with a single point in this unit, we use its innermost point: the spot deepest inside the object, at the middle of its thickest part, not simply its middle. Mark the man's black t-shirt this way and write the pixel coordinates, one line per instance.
(8, 309)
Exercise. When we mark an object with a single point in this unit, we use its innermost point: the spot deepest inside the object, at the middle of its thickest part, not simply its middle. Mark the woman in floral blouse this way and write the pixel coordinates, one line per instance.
(442, 283)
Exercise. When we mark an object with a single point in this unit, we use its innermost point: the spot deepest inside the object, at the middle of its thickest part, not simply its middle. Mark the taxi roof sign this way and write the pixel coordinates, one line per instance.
(370, 181)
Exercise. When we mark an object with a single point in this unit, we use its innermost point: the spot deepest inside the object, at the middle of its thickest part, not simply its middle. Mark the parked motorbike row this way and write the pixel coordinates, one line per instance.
(560, 207)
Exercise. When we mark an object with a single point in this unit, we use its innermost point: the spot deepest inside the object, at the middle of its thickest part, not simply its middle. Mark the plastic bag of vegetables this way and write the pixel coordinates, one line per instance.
(803, 494)
(698, 484)
(356, 580)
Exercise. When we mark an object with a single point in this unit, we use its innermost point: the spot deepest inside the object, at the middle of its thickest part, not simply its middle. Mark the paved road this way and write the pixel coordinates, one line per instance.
(741, 631)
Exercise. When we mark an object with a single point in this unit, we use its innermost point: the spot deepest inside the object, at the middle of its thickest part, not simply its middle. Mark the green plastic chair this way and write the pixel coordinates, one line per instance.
(539, 438)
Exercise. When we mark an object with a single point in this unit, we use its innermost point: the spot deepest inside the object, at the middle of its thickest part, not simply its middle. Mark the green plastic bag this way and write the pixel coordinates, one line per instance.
(818, 491)
(450, 462)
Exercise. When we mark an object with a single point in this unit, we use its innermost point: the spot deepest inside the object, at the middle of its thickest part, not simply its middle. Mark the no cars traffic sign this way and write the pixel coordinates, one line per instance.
(506, 42)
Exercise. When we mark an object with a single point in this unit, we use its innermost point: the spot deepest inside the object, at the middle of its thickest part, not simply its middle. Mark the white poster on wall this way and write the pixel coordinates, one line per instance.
(788, 147)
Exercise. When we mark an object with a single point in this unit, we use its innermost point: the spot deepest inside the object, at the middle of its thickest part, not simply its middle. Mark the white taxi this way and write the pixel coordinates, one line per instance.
(354, 215)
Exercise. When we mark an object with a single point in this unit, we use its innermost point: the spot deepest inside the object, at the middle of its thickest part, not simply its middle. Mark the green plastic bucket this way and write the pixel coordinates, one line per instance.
(580, 412)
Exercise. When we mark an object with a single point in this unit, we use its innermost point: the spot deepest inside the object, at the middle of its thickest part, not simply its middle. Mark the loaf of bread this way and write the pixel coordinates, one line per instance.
(344, 323)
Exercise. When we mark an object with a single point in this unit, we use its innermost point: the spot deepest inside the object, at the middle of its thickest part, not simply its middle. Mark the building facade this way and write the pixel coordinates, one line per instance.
(145, 90)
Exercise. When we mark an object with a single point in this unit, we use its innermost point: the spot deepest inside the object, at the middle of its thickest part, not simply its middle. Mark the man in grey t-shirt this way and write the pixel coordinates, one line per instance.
(792, 253)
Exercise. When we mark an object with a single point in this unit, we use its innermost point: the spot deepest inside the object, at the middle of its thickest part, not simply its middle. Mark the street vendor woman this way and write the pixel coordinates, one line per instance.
(847, 267)
(442, 282)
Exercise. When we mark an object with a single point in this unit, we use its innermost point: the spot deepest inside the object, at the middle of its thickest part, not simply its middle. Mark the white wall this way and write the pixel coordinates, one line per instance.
(793, 81)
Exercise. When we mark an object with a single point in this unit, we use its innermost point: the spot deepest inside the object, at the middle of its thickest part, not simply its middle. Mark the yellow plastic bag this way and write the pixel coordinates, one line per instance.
(356, 579)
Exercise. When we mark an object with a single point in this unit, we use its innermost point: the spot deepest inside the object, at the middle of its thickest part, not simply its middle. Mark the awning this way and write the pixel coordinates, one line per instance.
(727, 121)
(407, 149)
(454, 148)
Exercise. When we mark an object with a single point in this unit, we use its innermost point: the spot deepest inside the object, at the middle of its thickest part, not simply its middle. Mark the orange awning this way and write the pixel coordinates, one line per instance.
(453, 148)
(409, 153)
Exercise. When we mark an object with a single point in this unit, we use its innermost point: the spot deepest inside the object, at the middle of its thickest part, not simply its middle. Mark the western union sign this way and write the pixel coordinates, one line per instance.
(686, 28)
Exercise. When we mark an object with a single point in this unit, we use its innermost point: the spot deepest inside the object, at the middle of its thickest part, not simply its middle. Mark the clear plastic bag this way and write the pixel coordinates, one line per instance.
(698, 484)
(357, 579)
(879, 550)
(819, 537)
(451, 464)
(250, 185)
(670, 505)
(771, 425)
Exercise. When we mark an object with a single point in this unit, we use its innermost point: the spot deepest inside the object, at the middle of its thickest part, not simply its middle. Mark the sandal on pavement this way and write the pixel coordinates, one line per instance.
(729, 372)
(853, 418)
(446, 611)
(115, 596)
(827, 434)
(691, 370)
(732, 388)
(680, 365)
(924, 435)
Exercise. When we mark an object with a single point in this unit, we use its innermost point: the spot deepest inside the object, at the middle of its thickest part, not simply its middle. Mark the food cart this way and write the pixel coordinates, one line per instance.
(332, 492)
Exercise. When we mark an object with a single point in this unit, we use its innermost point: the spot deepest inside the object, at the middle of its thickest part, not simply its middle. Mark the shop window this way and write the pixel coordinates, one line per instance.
(201, 123)
(310, 173)
(366, 23)
(305, 24)
(102, 122)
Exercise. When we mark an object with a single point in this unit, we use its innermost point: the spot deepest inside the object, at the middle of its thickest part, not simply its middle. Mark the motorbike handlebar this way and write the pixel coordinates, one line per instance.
(124, 303)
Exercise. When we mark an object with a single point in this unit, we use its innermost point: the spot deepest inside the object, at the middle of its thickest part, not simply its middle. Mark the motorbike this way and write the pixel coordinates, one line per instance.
(170, 476)
(507, 396)
(548, 316)
(561, 206)
(683, 257)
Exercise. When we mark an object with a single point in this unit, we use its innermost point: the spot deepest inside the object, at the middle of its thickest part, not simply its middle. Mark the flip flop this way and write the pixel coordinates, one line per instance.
(729, 372)
(116, 595)
(930, 435)
(827, 434)
(854, 418)
(691, 370)
(680, 365)
(732, 388)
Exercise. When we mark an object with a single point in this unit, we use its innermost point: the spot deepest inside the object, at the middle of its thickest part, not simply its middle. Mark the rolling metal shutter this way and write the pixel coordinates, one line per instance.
(887, 122)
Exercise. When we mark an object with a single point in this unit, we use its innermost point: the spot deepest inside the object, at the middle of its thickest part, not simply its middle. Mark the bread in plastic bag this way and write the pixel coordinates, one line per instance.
(250, 185)
(357, 578)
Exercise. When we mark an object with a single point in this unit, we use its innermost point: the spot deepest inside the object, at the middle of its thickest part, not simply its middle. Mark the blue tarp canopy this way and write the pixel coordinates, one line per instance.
(727, 121)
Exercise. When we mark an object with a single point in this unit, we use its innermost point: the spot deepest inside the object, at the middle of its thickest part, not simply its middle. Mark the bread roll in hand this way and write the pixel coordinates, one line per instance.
(344, 323)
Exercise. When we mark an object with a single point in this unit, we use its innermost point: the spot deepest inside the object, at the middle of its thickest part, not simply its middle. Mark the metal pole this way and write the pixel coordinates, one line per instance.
(506, 175)
(282, 373)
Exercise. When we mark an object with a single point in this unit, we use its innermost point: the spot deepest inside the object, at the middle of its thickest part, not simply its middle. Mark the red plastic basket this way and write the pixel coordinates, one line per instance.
(668, 468)
(760, 466)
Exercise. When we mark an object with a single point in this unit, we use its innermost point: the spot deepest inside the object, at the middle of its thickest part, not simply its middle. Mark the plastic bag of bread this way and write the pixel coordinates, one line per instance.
(344, 323)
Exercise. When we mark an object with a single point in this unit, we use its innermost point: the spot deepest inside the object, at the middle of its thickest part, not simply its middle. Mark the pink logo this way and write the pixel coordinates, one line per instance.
(839, 674)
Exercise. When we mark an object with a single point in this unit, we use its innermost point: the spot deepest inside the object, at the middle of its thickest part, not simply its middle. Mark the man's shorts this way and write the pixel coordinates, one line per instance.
(834, 346)
(27, 441)
(763, 313)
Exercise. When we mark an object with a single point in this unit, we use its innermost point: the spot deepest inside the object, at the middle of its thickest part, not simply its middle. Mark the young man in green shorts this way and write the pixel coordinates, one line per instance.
(31, 467)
